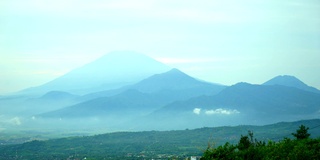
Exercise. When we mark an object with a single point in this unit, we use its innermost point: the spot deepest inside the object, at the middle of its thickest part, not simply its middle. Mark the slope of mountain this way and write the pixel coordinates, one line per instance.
(239, 104)
(127, 104)
(29, 106)
(290, 81)
(113, 70)
(10, 105)
(270, 99)
(173, 83)
(175, 80)
(146, 96)
(57, 95)
(242, 103)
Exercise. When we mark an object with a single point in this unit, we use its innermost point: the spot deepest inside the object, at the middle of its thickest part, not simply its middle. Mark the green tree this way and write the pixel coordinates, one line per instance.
(249, 148)
(224, 152)
(302, 133)
(244, 143)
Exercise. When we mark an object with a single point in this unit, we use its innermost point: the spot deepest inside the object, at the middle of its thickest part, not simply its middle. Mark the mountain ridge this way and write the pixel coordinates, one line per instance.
(172, 80)
(242, 103)
(112, 70)
(290, 81)
(155, 91)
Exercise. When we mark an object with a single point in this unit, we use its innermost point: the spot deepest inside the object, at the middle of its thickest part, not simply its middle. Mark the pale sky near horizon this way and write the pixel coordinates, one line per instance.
(221, 41)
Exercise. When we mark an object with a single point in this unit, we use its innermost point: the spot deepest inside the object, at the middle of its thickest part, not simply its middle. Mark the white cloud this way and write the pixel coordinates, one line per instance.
(15, 121)
(9, 121)
(197, 111)
(221, 111)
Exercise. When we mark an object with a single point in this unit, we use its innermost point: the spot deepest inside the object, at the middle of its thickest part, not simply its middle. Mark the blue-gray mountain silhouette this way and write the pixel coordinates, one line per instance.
(173, 83)
(170, 100)
(113, 70)
(252, 104)
(57, 95)
(175, 80)
(141, 98)
(290, 81)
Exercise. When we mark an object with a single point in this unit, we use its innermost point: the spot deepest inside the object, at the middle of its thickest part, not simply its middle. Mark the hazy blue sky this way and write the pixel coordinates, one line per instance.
(223, 41)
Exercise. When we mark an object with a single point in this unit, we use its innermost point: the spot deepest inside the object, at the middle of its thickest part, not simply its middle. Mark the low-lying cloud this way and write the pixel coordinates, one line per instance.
(219, 111)
(10, 121)
(15, 121)
(222, 111)
(197, 111)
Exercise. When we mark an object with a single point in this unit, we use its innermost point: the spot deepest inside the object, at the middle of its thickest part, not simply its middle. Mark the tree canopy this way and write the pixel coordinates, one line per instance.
(302, 133)
(302, 147)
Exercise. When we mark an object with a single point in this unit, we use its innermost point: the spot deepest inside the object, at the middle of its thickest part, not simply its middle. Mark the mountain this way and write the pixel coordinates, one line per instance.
(113, 70)
(171, 101)
(275, 100)
(128, 103)
(57, 95)
(242, 103)
(290, 81)
(115, 112)
(50, 101)
(141, 98)
(175, 80)
(173, 83)
(26, 106)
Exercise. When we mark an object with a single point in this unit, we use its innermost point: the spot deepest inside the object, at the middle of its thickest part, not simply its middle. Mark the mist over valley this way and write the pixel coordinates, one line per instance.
(149, 108)
(148, 95)
(160, 79)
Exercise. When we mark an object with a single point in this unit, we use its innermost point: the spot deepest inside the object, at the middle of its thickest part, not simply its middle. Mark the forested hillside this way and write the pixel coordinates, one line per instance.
(248, 148)
(150, 144)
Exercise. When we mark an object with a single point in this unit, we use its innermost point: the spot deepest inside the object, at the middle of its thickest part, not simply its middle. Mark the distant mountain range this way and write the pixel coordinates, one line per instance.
(130, 90)
(173, 83)
(111, 71)
(139, 99)
(174, 100)
(242, 103)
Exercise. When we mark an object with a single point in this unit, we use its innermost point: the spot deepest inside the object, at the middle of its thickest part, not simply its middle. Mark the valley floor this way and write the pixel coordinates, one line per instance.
(175, 144)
